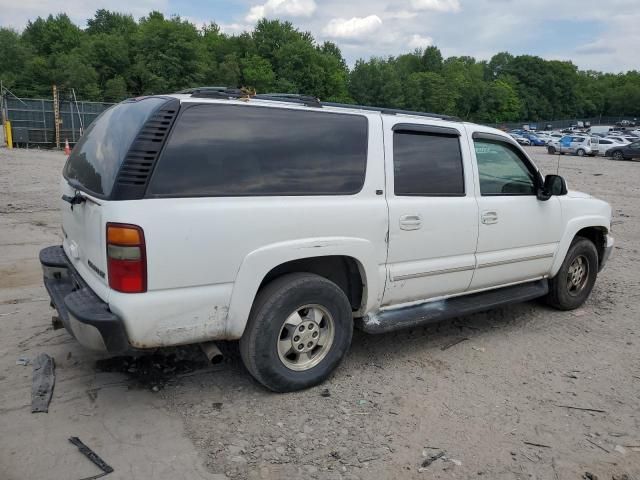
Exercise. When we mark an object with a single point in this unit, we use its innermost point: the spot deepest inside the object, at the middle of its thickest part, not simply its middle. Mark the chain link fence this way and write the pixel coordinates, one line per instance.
(33, 121)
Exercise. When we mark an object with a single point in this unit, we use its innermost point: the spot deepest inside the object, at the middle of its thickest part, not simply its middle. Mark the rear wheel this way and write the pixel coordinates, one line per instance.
(551, 150)
(580, 152)
(299, 329)
(617, 155)
(573, 283)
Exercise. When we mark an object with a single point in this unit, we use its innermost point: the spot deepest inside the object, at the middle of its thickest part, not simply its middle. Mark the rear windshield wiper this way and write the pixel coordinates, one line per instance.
(77, 199)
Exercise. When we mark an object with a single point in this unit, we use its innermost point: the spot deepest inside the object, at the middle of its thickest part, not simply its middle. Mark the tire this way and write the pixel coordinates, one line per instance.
(562, 153)
(618, 155)
(565, 291)
(273, 319)
(580, 152)
(551, 150)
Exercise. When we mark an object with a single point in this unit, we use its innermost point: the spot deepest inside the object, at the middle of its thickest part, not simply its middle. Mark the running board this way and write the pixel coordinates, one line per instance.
(438, 310)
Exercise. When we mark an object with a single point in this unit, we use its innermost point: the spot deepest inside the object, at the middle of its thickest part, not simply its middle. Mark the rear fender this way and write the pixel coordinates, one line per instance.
(258, 263)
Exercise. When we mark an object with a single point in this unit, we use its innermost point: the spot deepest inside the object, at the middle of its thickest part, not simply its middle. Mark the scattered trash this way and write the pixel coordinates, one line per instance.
(24, 361)
(453, 343)
(217, 406)
(9, 313)
(479, 349)
(44, 379)
(429, 460)
(455, 462)
(93, 456)
(598, 174)
(589, 476)
(620, 449)
(599, 446)
(582, 408)
(154, 371)
(542, 445)
(325, 393)
(362, 402)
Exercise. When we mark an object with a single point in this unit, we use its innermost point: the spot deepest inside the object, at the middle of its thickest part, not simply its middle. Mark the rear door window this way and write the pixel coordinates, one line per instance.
(95, 160)
(426, 164)
(232, 150)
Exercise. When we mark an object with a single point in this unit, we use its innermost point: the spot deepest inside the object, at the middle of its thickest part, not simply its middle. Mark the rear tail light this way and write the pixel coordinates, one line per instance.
(126, 258)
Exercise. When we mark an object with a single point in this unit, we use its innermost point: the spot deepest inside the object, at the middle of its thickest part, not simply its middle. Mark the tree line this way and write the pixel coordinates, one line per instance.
(116, 57)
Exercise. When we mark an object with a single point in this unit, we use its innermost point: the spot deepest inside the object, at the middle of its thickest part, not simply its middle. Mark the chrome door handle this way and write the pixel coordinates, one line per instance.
(489, 218)
(410, 222)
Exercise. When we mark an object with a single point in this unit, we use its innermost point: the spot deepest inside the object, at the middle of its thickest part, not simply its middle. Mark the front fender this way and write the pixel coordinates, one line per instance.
(259, 262)
(573, 227)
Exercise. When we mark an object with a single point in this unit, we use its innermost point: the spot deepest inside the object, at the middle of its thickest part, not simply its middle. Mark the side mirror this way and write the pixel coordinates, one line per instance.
(553, 185)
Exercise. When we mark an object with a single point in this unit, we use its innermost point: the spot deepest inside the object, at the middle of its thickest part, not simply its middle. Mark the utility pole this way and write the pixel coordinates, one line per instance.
(56, 116)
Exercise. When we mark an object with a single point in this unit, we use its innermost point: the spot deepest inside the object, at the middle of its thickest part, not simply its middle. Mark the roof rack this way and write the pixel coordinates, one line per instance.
(307, 100)
(391, 111)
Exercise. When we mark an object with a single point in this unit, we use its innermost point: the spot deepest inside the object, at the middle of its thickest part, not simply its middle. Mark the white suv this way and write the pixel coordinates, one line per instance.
(282, 222)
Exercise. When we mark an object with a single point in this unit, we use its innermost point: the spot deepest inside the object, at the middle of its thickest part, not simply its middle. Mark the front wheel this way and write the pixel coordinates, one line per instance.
(618, 155)
(299, 329)
(551, 150)
(573, 283)
(580, 153)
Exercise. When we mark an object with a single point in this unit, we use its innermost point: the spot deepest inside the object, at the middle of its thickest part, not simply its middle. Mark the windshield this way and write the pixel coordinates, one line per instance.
(96, 159)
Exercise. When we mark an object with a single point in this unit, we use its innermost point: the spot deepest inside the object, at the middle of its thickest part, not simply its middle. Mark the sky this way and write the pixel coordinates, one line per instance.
(594, 34)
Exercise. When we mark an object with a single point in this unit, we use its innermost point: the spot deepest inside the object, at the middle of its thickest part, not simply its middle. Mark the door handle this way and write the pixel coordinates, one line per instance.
(410, 222)
(489, 218)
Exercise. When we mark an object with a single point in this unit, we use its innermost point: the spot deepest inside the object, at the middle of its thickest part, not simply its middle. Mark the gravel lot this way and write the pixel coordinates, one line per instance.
(492, 403)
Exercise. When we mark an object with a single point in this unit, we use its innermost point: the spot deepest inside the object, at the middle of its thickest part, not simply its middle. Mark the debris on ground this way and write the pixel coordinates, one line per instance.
(23, 361)
(620, 449)
(429, 460)
(590, 476)
(93, 456)
(584, 409)
(453, 343)
(44, 379)
(155, 370)
(325, 393)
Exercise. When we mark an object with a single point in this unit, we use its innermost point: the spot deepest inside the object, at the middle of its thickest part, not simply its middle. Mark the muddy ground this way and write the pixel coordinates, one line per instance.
(497, 403)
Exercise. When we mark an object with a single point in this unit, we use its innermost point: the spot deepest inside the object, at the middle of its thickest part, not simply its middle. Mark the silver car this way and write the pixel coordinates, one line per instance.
(580, 145)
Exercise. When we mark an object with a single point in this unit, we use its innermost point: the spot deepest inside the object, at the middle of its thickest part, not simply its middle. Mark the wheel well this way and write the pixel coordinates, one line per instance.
(341, 270)
(597, 237)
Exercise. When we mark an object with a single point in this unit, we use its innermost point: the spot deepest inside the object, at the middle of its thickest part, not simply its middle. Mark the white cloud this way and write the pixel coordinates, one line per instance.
(353, 28)
(419, 41)
(437, 5)
(285, 8)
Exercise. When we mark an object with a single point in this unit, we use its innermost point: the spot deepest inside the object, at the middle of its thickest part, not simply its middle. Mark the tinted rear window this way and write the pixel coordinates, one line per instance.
(427, 164)
(95, 160)
(231, 150)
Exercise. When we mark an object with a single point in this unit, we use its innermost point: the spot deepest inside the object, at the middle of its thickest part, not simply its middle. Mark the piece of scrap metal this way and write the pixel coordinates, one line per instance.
(44, 379)
(93, 456)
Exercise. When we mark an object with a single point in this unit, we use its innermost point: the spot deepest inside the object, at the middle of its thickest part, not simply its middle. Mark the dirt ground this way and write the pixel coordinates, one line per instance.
(497, 403)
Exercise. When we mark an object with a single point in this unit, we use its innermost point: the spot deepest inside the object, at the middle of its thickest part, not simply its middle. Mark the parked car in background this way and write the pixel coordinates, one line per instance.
(580, 145)
(619, 139)
(545, 137)
(520, 139)
(625, 152)
(601, 129)
(606, 144)
(534, 139)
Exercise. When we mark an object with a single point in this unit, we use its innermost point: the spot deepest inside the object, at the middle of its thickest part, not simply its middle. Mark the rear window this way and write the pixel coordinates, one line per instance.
(96, 159)
(231, 150)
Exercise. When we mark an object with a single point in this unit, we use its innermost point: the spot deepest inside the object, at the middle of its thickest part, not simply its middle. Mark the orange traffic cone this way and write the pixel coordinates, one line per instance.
(67, 148)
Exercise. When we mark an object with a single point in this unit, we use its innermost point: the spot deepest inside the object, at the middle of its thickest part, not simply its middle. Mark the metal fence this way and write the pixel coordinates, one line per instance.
(566, 123)
(33, 122)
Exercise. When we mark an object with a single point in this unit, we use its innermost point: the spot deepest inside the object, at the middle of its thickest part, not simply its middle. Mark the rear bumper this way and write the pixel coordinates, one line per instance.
(84, 315)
